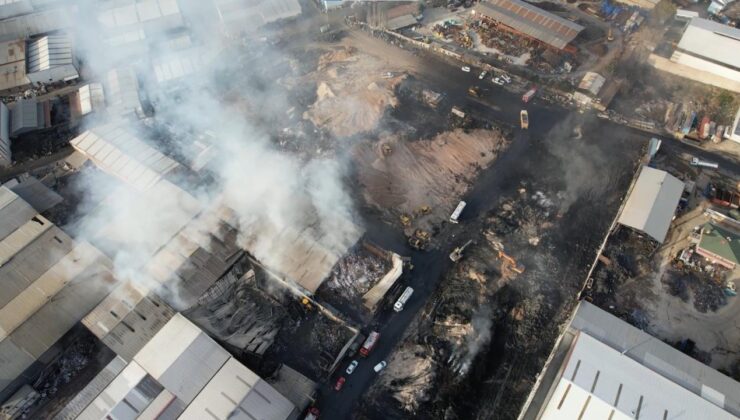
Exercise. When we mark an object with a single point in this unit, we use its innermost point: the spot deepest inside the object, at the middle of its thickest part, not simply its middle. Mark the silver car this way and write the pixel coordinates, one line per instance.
(380, 366)
(352, 366)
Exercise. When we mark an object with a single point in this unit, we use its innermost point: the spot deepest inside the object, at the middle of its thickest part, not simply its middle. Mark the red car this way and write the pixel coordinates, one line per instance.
(340, 383)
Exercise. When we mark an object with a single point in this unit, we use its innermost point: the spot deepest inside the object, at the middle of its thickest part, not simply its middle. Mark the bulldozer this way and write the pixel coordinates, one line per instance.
(386, 149)
(405, 219)
(421, 234)
(423, 210)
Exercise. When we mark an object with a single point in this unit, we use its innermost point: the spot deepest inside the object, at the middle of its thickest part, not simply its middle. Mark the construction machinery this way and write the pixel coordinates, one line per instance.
(456, 254)
(386, 149)
(524, 119)
(405, 219)
(474, 91)
(424, 210)
(306, 302)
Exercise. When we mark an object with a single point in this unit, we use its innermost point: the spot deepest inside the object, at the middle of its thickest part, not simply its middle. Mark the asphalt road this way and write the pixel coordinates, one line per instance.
(497, 105)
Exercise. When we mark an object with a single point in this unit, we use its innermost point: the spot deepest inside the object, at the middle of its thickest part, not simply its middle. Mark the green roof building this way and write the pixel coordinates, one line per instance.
(720, 245)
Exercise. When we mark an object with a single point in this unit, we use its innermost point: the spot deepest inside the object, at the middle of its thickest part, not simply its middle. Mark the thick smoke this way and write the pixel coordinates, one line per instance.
(231, 95)
(475, 341)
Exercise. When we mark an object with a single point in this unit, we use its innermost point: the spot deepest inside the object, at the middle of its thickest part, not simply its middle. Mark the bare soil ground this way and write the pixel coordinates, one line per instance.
(433, 172)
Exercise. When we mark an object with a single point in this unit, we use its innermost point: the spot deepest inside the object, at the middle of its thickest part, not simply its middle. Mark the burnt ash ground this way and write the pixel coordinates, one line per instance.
(591, 173)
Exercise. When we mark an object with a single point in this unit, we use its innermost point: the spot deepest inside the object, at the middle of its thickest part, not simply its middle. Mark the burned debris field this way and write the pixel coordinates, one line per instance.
(540, 213)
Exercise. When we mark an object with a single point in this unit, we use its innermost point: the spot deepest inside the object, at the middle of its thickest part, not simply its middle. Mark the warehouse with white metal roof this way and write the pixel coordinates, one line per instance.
(194, 379)
(530, 20)
(710, 47)
(602, 367)
(652, 203)
(49, 59)
(49, 283)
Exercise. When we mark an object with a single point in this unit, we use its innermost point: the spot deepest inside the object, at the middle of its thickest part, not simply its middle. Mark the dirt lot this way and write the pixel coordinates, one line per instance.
(432, 172)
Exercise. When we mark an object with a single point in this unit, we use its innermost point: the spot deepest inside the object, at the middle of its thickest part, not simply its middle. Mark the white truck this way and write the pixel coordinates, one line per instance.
(695, 161)
(401, 301)
(455, 216)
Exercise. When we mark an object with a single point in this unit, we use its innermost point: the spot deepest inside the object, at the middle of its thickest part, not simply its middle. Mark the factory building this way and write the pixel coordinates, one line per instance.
(88, 99)
(720, 244)
(49, 59)
(603, 368)
(45, 18)
(28, 115)
(122, 93)
(239, 15)
(527, 20)
(652, 203)
(194, 378)
(49, 283)
(131, 26)
(708, 50)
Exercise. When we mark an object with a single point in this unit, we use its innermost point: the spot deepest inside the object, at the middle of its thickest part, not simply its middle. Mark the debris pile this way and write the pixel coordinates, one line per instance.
(431, 173)
(356, 273)
(352, 94)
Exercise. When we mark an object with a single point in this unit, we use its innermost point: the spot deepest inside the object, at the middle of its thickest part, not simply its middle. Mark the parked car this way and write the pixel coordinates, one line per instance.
(498, 81)
(483, 75)
(380, 366)
(352, 366)
(340, 383)
(466, 69)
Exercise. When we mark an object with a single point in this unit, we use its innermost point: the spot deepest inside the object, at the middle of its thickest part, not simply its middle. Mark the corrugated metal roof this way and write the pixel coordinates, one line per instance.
(129, 377)
(530, 20)
(26, 115)
(599, 382)
(119, 14)
(119, 152)
(236, 392)
(44, 21)
(32, 261)
(48, 52)
(122, 91)
(77, 405)
(91, 98)
(127, 319)
(711, 40)
(652, 203)
(257, 12)
(45, 288)
(13, 64)
(191, 360)
(14, 212)
(401, 22)
(660, 358)
(33, 192)
(21, 237)
(178, 65)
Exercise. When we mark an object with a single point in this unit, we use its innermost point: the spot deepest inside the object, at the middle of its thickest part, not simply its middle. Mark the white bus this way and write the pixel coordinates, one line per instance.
(398, 306)
(456, 214)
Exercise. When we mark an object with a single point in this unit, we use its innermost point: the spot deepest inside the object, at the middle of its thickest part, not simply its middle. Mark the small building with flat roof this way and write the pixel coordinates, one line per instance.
(652, 202)
(720, 245)
(603, 368)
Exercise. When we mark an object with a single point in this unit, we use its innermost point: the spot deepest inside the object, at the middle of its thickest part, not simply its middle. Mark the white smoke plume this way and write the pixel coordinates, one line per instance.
(230, 97)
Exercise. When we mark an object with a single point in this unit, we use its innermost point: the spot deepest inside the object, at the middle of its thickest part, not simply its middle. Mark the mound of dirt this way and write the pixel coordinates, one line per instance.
(353, 92)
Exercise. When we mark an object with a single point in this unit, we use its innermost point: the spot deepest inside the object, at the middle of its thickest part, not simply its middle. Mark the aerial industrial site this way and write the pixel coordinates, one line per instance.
(338, 209)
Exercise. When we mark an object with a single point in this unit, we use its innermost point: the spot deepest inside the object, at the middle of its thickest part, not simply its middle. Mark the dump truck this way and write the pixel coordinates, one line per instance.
(369, 343)
(524, 119)
(528, 95)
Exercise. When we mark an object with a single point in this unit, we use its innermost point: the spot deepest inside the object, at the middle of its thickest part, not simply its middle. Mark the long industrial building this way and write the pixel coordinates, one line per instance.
(194, 378)
(49, 283)
(604, 368)
(531, 21)
(710, 47)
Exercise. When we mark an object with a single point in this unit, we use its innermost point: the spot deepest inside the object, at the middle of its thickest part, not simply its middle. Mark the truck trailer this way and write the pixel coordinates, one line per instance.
(528, 95)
